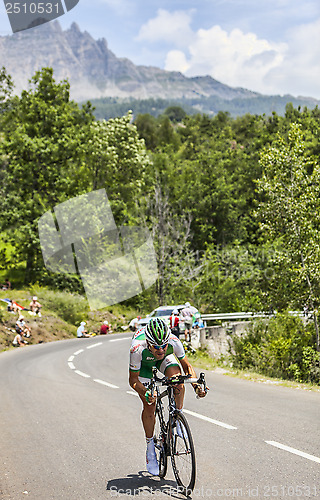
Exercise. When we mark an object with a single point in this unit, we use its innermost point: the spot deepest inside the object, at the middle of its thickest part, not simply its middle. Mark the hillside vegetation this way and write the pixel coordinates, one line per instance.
(232, 204)
(112, 107)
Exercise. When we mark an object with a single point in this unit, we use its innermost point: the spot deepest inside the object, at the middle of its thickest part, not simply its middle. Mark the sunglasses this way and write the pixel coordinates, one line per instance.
(157, 347)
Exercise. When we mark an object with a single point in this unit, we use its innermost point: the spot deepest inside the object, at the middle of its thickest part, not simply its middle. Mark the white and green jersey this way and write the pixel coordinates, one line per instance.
(142, 360)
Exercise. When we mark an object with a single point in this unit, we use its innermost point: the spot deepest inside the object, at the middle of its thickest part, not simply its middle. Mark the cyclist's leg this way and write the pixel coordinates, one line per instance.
(179, 390)
(148, 422)
(148, 412)
(169, 367)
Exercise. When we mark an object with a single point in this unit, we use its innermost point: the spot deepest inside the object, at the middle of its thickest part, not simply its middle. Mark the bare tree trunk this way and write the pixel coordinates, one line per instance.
(30, 265)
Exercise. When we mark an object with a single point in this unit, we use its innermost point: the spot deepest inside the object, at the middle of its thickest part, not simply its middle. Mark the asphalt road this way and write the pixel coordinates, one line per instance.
(70, 429)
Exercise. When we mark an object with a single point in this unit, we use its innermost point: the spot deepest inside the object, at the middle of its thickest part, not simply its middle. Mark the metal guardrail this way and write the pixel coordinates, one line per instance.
(243, 315)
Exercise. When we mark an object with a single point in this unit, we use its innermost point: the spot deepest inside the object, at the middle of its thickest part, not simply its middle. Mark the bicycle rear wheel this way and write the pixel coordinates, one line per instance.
(183, 455)
(160, 442)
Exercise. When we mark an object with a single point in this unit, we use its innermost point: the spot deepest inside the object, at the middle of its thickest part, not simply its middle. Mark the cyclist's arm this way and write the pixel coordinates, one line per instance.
(187, 367)
(136, 384)
(189, 370)
(140, 388)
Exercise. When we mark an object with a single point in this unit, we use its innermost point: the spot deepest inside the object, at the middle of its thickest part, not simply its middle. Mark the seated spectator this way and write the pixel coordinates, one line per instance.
(6, 285)
(105, 328)
(12, 307)
(198, 323)
(35, 306)
(22, 328)
(82, 332)
(18, 340)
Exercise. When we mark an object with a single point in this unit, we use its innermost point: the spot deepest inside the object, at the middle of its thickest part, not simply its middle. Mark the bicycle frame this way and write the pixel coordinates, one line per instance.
(165, 426)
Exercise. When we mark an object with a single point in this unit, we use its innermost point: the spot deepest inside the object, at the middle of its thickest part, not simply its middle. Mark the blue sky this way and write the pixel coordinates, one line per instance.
(269, 46)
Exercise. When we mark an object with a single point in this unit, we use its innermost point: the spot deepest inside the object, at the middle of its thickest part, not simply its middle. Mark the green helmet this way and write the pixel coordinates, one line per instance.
(157, 332)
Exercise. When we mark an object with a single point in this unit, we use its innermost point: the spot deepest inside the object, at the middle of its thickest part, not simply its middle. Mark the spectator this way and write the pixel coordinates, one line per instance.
(134, 324)
(198, 323)
(186, 314)
(82, 332)
(22, 328)
(35, 306)
(105, 328)
(6, 285)
(174, 323)
(18, 340)
(12, 307)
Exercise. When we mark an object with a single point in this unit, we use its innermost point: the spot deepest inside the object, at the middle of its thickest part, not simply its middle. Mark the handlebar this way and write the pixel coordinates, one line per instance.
(175, 380)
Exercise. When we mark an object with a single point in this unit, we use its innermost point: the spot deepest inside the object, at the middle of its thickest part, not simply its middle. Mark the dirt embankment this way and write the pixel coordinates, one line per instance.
(55, 324)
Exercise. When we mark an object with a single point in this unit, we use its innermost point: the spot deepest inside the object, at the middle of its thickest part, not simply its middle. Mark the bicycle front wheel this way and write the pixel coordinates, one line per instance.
(182, 454)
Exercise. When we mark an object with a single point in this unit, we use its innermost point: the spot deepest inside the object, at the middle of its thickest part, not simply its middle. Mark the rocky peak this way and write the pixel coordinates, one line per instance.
(93, 70)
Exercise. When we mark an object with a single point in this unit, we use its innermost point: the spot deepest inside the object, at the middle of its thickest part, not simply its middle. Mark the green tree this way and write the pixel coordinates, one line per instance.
(175, 113)
(115, 158)
(291, 214)
(6, 89)
(41, 150)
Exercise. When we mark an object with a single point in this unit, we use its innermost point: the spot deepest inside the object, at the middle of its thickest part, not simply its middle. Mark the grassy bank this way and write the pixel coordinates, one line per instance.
(62, 313)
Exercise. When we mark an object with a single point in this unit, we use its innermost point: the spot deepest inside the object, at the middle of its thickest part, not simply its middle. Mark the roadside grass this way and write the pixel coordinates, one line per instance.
(202, 360)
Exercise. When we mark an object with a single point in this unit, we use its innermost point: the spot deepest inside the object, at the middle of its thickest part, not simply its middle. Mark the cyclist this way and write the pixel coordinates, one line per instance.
(155, 345)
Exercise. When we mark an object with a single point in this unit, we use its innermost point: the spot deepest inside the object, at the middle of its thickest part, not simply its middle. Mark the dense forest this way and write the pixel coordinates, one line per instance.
(232, 203)
(111, 107)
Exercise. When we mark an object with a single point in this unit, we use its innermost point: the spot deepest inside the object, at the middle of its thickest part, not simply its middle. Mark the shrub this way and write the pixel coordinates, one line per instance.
(283, 347)
(71, 307)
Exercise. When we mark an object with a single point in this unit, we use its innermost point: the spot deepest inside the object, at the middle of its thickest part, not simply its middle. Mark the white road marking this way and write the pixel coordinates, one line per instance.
(118, 340)
(105, 383)
(85, 375)
(78, 352)
(71, 358)
(71, 365)
(294, 451)
(94, 345)
(133, 393)
(208, 419)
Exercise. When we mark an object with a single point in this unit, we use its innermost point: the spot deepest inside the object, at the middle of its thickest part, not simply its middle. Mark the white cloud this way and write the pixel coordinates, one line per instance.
(300, 72)
(237, 58)
(177, 61)
(169, 27)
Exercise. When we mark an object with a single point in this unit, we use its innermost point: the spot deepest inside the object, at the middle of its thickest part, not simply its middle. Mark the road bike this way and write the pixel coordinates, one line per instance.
(172, 434)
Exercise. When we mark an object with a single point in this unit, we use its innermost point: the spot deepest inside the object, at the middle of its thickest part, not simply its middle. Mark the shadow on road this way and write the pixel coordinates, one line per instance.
(143, 484)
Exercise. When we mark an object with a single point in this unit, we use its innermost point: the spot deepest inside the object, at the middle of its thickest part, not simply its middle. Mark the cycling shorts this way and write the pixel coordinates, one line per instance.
(169, 360)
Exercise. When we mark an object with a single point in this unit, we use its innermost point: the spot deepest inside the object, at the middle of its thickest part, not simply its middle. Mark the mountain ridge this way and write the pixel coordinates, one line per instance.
(95, 72)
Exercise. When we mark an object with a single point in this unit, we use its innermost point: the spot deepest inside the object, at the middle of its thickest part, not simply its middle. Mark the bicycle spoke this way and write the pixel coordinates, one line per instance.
(183, 455)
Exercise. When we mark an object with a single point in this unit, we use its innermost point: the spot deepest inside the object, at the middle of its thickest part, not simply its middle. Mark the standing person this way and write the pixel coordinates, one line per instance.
(134, 324)
(82, 332)
(174, 323)
(105, 328)
(187, 314)
(154, 345)
(35, 306)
